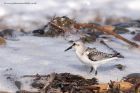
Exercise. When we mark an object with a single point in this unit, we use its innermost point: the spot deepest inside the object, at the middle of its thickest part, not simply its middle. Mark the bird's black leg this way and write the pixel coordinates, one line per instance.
(91, 69)
(96, 72)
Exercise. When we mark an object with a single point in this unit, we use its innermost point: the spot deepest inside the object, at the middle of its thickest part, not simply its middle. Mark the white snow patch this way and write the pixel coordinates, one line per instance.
(2, 11)
(83, 10)
(42, 55)
(134, 5)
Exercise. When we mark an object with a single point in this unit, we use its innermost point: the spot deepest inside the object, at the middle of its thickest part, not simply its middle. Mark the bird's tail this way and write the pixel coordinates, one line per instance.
(118, 55)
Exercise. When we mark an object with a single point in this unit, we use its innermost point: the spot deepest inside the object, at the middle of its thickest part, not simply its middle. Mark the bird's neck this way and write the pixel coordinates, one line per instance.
(80, 51)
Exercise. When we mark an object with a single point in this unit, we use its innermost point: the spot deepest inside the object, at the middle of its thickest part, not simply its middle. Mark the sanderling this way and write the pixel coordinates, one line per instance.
(91, 56)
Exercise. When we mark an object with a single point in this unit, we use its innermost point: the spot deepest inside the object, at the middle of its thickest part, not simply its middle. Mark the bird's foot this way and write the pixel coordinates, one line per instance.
(96, 72)
(91, 69)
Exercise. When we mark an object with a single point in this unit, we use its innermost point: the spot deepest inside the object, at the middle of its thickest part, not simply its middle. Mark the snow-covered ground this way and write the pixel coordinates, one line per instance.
(42, 55)
(32, 55)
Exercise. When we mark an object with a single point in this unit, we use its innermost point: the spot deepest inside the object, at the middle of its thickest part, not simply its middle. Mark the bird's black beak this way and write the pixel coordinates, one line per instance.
(70, 47)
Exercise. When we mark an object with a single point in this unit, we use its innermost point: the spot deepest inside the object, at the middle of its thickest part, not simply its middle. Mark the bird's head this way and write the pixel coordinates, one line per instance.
(76, 45)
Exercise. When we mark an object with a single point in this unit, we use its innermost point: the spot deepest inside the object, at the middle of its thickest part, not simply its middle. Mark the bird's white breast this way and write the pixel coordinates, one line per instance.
(83, 58)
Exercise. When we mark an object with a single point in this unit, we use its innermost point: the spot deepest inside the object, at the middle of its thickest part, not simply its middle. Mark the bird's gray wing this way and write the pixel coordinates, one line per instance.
(96, 55)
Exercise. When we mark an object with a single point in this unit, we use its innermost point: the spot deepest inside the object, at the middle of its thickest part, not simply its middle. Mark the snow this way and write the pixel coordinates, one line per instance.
(81, 10)
(43, 55)
(134, 5)
(2, 11)
(63, 7)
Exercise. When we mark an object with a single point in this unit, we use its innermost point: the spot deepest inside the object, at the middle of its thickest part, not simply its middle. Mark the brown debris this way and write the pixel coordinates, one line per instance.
(101, 88)
(105, 30)
(108, 27)
(137, 88)
(49, 81)
(124, 86)
(120, 87)
(133, 78)
(59, 25)
(68, 83)
(112, 87)
(2, 41)
(62, 83)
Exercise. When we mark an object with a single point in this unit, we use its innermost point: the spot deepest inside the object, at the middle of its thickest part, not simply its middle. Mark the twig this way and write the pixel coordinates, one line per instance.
(106, 30)
(49, 81)
(60, 28)
(102, 42)
(115, 52)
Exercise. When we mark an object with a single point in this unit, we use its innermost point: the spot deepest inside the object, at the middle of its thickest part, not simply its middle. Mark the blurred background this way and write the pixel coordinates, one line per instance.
(31, 14)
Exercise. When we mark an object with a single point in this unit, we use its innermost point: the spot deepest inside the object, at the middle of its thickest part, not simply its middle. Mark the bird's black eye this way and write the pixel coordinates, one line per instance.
(74, 44)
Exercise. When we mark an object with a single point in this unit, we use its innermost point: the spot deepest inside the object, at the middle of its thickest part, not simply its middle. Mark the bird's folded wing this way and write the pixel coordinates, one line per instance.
(97, 55)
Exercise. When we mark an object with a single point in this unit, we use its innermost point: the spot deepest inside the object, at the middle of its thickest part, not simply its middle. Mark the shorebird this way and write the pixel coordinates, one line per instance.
(91, 56)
